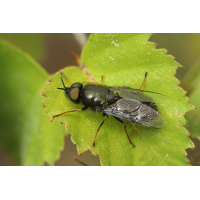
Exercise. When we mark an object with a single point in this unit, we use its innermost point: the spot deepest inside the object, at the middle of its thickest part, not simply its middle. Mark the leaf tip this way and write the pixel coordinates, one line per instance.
(186, 155)
(43, 94)
(181, 65)
(51, 119)
(50, 80)
(153, 43)
(193, 107)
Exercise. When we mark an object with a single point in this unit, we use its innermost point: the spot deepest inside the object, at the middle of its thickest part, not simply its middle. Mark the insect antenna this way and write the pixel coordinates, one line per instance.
(62, 74)
(65, 88)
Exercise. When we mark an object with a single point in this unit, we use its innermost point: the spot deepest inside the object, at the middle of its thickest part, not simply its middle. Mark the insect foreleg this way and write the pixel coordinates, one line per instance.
(84, 108)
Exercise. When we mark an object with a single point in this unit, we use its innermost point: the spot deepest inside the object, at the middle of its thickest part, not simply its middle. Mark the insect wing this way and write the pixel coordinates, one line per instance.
(138, 106)
(129, 93)
(124, 109)
(157, 122)
(140, 95)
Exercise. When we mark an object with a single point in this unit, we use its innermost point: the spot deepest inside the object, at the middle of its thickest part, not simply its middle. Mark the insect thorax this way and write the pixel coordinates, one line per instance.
(97, 95)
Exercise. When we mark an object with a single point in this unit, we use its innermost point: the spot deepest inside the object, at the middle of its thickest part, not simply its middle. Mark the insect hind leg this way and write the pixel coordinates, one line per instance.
(145, 77)
(125, 130)
(101, 79)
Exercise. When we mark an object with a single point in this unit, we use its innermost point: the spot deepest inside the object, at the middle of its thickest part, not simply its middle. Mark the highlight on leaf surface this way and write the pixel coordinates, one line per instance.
(122, 60)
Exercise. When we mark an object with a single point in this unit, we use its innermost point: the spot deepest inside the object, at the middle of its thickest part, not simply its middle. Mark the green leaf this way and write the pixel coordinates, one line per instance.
(25, 131)
(32, 43)
(191, 79)
(123, 59)
(193, 117)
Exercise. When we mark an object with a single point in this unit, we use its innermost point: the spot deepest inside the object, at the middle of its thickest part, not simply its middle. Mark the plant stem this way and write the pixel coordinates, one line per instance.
(81, 38)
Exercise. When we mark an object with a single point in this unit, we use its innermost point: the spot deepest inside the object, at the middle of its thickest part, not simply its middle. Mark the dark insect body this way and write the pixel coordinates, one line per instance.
(123, 103)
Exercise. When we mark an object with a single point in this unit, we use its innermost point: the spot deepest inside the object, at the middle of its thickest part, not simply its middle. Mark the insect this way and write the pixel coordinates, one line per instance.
(123, 103)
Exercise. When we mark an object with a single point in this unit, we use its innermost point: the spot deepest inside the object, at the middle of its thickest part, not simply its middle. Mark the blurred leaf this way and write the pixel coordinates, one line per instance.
(193, 117)
(25, 131)
(191, 79)
(191, 82)
(31, 43)
(193, 123)
(184, 46)
(198, 34)
(123, 59)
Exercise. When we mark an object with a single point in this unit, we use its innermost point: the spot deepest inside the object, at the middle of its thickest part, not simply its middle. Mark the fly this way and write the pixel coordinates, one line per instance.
(123, 103)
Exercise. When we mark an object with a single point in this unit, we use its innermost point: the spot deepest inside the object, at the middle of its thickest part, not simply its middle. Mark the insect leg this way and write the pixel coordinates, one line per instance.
(102, 79)
(125, 130)
(145, 76)
(84, 108)
(85, 82)
(105, 116)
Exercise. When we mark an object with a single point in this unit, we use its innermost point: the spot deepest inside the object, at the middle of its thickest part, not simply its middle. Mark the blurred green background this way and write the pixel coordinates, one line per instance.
(52, 51)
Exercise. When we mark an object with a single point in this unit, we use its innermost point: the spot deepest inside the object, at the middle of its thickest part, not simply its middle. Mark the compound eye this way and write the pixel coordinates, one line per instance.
(75, 91)
(73, 94)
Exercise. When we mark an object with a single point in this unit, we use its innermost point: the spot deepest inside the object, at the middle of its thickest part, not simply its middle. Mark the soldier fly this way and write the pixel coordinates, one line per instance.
(123, 103)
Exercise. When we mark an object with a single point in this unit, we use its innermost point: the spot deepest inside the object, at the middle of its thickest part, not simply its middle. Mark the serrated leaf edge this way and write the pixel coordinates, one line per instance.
(178, 87)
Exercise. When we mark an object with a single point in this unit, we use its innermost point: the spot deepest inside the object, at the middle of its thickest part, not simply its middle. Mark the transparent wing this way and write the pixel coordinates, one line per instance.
(136, 112)
(138, 106)
(140, 95)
